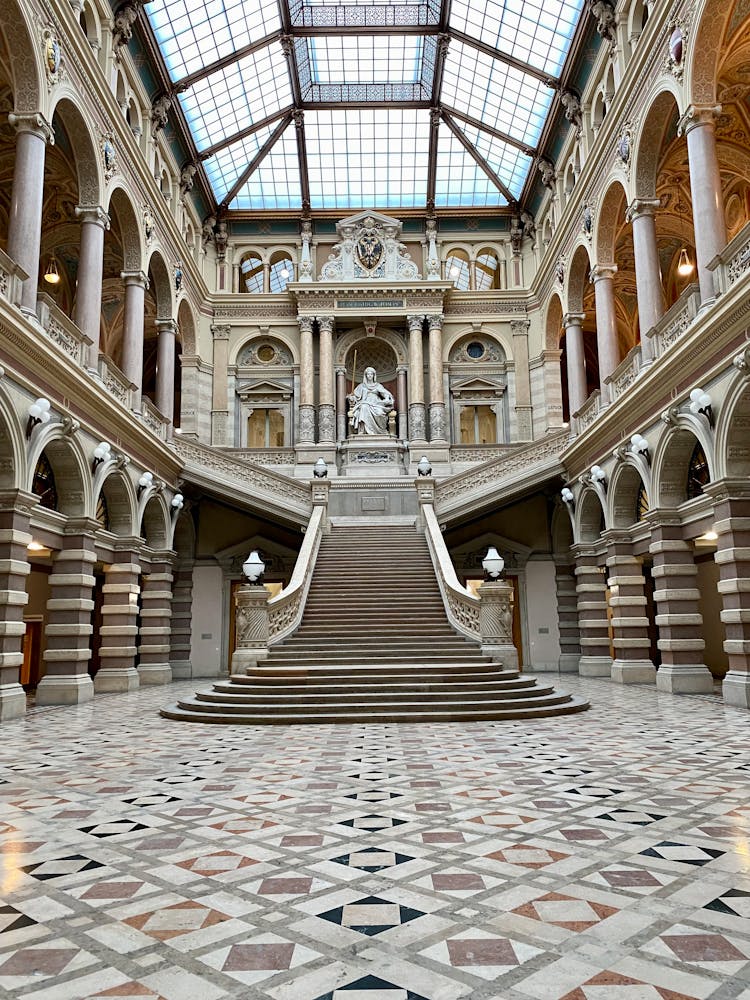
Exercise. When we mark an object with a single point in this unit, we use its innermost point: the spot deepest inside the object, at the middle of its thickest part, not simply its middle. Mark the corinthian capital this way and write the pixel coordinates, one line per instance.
(697, 115)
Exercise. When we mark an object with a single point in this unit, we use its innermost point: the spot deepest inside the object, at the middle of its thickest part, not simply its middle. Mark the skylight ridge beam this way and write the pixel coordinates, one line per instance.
(489, 50)
(432, 158)
(256, 161)
(306, 31)
(237, 136)
(477, 157)
(180, 86)
(359, 105)
(490, 130)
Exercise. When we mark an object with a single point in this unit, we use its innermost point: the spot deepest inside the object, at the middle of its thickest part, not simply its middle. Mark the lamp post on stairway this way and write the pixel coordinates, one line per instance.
(250, 617)
(496, 612)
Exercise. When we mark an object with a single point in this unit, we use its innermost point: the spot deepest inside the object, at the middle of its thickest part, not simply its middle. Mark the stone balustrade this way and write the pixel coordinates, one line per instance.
(623, 377)
(587, 414)
(676, 320)
(62, 331)
(12, 277)
(116, 382)
(286, 608)
(733, 263)
(156, 422)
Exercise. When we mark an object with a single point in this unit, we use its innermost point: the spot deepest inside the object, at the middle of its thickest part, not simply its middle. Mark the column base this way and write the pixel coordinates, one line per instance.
(505, 655)
(693, 678)
(633, 671)
(70, 689)
(595, 666)
(110, 679)
(154, 673)
(12, 702)
(568, 663)
(182, 670)
(736, 689)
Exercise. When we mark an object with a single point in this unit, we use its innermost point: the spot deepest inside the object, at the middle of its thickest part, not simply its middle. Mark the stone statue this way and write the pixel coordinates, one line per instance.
(547, 170)
(122, 29)
(370, 404)
(572, 105)
(606, 19)
(187, 177)
(160, 112)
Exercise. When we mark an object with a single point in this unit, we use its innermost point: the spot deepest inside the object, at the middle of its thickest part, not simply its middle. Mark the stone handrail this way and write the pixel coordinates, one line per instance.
(501, 477)
(481, 452)
(61, 330)
(461, 606)
(242, 480)
(587, 414)
(262, 456)
(12, 278)
(676, 320)
(733, 262)
(115, 381)
(153, 418)
(286, 608)
(625, 374)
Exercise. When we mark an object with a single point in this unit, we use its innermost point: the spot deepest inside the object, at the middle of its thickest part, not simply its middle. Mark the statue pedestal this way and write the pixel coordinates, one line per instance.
(370, 456)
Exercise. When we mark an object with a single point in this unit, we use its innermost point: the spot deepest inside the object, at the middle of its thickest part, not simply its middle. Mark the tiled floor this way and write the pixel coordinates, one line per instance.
(603, 856)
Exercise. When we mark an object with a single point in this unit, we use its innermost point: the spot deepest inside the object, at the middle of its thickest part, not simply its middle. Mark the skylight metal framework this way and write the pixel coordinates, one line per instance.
(431, 103)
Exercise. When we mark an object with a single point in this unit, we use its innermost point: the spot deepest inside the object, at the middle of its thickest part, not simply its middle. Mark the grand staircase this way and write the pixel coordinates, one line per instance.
(374, 645)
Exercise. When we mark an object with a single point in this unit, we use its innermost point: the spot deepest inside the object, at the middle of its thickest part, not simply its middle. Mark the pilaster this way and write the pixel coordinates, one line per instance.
(15, 509)
(591, 591)
(156, 613)
(119, 630)
(632, 663)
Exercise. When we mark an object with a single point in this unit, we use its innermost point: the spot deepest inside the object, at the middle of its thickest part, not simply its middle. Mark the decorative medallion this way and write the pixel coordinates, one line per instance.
(149, 226)
(587, 223)
(109, 156)
(624, 146)
(178, 276)
(52, 55)
(369, 250)
(677, 39)
(560, 271)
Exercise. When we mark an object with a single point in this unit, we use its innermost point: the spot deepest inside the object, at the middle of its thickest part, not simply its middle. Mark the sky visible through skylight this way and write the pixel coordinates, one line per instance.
(365, 75)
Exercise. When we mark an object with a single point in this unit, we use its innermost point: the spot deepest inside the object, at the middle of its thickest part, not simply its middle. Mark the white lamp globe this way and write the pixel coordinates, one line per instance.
(253, 567)
(493, 563)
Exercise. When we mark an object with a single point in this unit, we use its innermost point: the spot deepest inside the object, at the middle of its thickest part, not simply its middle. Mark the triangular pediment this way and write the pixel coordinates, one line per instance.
(477, 384)
(264, 387)
(372, 220)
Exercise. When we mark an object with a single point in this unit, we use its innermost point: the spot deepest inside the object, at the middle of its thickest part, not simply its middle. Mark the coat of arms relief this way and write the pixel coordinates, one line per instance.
(369, 248)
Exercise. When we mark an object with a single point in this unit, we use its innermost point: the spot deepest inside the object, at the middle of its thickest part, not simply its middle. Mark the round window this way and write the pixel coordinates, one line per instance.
(266, 353)
(475, 349)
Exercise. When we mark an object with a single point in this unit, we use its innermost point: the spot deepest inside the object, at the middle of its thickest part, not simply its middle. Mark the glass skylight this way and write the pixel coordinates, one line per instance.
(361, 158)
(365, 82)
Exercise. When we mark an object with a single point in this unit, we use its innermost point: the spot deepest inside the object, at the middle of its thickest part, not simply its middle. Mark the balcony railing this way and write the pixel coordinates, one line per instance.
(12, 278)
(625, 374)
(116, 382)
(676, 320)
(61, 330)
(733, 263)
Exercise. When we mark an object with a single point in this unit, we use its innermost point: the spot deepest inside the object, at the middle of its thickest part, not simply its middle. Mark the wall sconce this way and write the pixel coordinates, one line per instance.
(38, 414)
(145, 481)
(254, 567)
(102, 453)
(178, 501)
(320, 469)
(700, 402)
(598, 475)
(52, 274)
(284, 272)
(424, 468)
(639, 446)
(567, 494)
(493, 564)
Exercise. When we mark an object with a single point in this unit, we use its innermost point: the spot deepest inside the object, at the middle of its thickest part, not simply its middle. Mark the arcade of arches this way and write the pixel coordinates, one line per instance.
(575, 366)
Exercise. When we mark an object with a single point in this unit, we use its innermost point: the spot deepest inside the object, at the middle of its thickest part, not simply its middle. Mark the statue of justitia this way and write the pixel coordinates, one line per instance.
(370, 404)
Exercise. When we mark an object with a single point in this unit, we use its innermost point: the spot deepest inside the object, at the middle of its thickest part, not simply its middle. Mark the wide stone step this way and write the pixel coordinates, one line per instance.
(385, 658)
(419, 696)
(360, 670)
(375, 685)
(477, 712)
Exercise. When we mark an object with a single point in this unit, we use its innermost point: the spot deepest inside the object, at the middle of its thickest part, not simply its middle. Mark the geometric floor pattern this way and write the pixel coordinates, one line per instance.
(603, 856)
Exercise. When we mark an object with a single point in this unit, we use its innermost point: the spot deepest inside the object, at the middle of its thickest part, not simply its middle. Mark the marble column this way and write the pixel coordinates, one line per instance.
(678, 615)
(630, 624)
(603, 277)
(519, 328)
(15, 509)
(402, 403)
(33, 132)
(306, 380)
(68, 630)
(136, 283)
(119, 630)
(575, 361)
(182, 614)
(591, 589)
(88, 314)
(437, 397)
(417, 428)
(156, 613)
(567, 616)
(326, 411)
(165, 362)
(341, 403)
(219, 391)
(641, 214)
(709, 227)
(732, 525)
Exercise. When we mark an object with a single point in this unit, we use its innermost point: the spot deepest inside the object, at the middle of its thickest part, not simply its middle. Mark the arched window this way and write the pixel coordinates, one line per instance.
(698, 475)
(457, 269)
(282, 271)
(487, 270)
(251, 273)
(641, 503)
(44, 483)
(102, 511)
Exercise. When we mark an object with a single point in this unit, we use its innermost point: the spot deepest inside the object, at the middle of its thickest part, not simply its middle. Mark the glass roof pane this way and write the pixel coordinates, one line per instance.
(495, 93)
(509, 163)
(365, 58)
(536, 31)
(194, 33)
(230, 100)
(275, 185)
(363, 13)
(459, 179)
(225, 167)
(359, 158)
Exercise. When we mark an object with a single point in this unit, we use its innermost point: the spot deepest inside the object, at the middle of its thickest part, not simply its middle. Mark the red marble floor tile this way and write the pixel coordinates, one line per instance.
(481, 951)
(457, 882)
(703, 948)
(278, 886)
(27, 961)
(257, 957)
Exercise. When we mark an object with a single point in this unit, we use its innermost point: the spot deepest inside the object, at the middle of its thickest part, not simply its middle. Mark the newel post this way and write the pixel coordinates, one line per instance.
(496, 622)
(250, 627)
